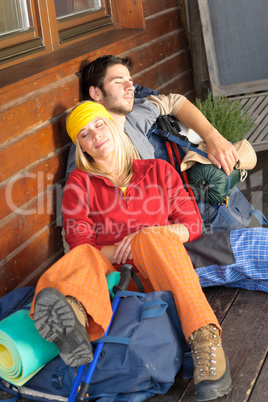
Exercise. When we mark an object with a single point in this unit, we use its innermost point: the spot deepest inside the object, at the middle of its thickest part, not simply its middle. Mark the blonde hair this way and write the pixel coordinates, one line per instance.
(124, 154)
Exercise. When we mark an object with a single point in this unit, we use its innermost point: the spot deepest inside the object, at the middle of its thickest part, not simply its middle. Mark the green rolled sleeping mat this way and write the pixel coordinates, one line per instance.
(23, 352)
(212, 184)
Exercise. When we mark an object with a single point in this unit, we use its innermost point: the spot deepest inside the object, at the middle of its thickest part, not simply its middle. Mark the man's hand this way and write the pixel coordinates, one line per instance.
(221, 153)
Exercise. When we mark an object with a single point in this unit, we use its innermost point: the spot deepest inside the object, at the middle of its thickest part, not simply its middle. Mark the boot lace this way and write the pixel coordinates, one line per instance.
(204, 346)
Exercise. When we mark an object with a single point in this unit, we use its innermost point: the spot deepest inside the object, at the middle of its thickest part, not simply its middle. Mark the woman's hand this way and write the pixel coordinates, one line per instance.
(123, 249)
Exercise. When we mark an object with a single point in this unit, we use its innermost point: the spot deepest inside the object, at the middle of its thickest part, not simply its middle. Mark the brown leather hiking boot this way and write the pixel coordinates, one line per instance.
(212, 377)
(61, 321)
(79, 310)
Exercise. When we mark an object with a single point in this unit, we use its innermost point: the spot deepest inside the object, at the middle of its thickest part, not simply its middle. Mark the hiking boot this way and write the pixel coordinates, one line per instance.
(212, 378)
(78, 309)
(56, 321)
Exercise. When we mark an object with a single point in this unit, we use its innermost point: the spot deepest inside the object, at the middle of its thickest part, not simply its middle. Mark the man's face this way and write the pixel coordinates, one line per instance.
(118, 90)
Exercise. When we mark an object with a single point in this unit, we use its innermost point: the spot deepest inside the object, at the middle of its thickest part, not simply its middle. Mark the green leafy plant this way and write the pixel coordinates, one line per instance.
(227, 116)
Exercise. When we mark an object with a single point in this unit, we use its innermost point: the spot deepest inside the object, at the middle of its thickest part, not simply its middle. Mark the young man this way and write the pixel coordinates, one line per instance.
(107, 81)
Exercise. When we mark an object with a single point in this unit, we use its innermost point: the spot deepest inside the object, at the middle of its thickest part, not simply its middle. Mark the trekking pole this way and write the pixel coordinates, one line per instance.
(126, 272)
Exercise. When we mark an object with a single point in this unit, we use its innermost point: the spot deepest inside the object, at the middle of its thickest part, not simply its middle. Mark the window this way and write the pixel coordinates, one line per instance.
(19, 30)
(31, 26)
(77, 17)
(16, 16)
(67, 8)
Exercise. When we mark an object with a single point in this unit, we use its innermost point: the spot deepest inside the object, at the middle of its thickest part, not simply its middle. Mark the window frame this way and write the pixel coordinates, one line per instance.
(48, 35)
(20, 39)
(84, 23)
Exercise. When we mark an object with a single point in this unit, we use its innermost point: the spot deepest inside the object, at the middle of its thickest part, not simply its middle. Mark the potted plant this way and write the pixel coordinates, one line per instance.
(227, 116)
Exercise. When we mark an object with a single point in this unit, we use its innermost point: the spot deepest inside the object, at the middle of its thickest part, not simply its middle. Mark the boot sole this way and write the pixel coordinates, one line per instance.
(56, 322)
(208, 390)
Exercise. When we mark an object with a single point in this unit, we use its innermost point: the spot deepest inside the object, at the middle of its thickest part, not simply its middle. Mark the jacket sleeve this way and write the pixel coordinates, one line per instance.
(181, 206)
(77, 223)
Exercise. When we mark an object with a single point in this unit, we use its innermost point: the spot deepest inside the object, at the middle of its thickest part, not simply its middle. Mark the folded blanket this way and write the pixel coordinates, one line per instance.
(23, 352)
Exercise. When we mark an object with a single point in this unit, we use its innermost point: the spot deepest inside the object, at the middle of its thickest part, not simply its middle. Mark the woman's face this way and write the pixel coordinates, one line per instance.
(96, 139)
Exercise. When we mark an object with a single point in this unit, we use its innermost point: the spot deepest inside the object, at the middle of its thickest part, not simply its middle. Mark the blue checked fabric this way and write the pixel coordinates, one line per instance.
(250, 271)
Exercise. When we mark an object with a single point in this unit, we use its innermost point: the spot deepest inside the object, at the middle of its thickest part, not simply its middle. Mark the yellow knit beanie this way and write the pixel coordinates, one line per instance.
(82, 115)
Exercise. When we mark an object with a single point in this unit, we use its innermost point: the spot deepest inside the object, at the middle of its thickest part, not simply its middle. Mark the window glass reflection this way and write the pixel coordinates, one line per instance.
(65, 8)
(15, 16)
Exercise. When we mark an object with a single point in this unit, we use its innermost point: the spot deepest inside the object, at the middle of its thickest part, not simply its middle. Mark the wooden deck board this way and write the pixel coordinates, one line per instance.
(257, 107)
(245, 339)
(221, 299)
(244, 316)
(260, 130)
(257, 104)
(260, 390)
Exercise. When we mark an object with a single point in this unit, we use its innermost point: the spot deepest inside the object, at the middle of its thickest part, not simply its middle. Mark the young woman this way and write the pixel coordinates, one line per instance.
(120, 209)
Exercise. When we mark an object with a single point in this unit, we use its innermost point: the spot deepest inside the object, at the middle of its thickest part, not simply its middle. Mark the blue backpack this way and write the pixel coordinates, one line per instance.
(143, 351)
(165, 137)
(134, 365)
(237, 214)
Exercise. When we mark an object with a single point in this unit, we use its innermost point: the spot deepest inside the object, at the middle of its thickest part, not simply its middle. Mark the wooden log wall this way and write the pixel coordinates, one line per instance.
(34, 97)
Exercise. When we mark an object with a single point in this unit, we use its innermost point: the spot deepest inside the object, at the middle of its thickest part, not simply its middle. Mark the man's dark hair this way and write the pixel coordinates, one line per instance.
(93, 74)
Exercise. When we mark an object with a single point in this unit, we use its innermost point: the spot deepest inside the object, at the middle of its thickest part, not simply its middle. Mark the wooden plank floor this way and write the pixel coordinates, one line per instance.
(244, 318)
(257, 107)
(243, 315)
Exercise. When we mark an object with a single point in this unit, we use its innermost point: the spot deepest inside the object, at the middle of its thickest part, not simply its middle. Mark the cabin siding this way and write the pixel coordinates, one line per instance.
(34, 97)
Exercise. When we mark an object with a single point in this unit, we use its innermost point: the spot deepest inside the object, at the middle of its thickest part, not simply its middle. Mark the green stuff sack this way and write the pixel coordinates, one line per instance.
(210, 183)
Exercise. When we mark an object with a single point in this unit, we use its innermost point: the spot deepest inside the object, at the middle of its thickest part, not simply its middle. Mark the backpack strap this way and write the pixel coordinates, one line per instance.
(170, 154)
(186, 144)
(150, 309)
(153, 309)
(128, 293)
(113, 339)
(260, 216)
(184, 174)
(186, 180)
(13, 399)
(226, 215)
(10, 391)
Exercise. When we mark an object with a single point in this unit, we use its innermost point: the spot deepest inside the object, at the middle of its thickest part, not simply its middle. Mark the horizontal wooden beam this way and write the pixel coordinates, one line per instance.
(28, 183)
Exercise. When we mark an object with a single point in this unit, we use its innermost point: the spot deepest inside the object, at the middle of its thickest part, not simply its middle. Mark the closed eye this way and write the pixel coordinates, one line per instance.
(84, 133)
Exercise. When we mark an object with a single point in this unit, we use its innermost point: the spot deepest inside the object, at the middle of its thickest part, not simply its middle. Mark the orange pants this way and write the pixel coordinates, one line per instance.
(163, 264)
